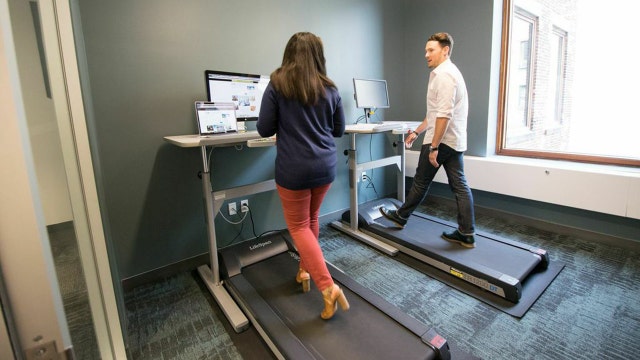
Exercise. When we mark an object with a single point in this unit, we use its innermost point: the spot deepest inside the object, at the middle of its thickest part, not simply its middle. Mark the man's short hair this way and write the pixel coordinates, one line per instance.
(444, 39)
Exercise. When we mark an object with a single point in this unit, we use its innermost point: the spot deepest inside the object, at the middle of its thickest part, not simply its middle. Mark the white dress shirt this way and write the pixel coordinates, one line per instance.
(447, 98)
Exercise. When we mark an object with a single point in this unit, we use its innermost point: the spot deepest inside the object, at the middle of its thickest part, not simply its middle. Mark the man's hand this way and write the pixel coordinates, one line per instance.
(433, 155)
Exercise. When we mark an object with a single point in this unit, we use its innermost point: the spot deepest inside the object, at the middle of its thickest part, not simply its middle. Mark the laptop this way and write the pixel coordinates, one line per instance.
(216, 118)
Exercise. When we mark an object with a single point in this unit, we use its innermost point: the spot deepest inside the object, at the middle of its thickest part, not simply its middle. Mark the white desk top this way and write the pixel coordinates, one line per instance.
(396, 127)
(196, 140)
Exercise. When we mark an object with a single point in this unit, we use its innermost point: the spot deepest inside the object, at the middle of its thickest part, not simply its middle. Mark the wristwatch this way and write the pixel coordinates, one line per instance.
(432, 148)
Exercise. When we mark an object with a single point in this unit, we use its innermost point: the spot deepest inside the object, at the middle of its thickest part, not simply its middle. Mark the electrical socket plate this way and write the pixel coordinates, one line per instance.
(244, 205)
(232, 208)
(363, 176)
(45, 351)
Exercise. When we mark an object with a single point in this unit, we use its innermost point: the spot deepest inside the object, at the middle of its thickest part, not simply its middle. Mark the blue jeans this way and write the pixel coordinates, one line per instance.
(454, 167)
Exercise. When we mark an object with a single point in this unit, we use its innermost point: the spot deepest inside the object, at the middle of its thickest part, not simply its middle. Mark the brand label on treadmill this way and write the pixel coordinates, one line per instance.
(260, 245)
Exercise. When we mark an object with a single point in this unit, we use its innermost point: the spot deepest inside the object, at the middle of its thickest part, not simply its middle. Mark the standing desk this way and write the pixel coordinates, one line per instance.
(213, 203)
(399, 128)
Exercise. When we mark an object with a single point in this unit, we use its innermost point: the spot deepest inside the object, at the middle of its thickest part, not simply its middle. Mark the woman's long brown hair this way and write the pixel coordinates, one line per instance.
(303, 74)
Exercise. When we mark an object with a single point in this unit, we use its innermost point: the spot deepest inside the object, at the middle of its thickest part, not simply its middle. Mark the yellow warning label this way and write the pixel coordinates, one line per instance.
(456, 273)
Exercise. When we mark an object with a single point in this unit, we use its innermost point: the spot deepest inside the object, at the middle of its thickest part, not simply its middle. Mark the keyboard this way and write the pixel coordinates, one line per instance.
(261, 142)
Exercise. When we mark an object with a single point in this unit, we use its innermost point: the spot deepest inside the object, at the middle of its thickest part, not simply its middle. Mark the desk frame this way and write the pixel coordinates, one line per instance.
(213, 203)
(356, 168)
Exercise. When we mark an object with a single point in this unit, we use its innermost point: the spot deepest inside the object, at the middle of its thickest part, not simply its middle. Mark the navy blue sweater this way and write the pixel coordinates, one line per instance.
(306, 150)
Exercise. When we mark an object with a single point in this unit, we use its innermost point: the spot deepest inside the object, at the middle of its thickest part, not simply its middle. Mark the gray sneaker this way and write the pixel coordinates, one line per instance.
(393, 216)
(457, 237)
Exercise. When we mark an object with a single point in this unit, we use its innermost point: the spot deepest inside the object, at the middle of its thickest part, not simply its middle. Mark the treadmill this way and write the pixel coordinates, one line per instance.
(496, 264)
(260, 275)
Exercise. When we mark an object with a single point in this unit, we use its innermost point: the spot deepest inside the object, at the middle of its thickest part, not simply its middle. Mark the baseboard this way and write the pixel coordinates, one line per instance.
(162, 272)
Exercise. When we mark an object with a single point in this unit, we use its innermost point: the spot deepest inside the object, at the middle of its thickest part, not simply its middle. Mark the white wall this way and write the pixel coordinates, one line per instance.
(605, 189)
(25, 254)
(41, 120)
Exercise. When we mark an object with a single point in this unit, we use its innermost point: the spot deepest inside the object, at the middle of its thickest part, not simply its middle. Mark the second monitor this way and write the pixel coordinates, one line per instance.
(370, 94)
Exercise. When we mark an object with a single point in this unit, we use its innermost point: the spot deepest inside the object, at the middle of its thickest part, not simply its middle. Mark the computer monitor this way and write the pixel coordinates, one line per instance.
(244, 90)
(371, 94)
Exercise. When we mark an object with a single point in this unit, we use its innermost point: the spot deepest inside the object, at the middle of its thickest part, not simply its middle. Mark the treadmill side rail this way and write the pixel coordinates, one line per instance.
(437, 343)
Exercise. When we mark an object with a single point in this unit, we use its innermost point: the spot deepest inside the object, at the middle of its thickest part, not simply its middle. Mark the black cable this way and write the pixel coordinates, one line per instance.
(371, 185)
(268, 232)
(253, 225)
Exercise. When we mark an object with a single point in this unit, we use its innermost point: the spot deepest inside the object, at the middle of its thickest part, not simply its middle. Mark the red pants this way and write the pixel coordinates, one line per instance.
(301, 209)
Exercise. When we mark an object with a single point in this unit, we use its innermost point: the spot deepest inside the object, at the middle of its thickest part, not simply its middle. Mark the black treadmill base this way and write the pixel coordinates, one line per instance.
(372, 328)
(532, 287)
(528, 265)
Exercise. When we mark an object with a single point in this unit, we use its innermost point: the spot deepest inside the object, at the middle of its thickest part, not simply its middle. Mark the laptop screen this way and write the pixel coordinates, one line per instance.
(215, 118)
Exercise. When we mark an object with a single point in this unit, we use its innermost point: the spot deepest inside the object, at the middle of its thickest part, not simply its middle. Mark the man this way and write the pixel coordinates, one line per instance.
(445, 141)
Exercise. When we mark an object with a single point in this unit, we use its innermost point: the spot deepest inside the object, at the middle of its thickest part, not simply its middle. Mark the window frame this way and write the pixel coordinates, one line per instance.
(501, 138)
(561, 69)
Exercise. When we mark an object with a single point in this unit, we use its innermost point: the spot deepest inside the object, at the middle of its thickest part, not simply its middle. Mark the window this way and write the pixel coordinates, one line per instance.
(520, 71)
(563, 81)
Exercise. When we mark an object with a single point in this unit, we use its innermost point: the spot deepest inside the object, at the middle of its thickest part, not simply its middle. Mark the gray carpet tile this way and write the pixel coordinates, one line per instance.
(172, 319)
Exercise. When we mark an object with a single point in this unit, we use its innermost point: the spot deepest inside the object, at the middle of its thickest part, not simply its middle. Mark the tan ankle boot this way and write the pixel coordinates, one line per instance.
(333, 296)
(304, 279)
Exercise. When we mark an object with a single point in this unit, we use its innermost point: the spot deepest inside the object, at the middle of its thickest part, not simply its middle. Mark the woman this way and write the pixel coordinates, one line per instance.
(301, 105)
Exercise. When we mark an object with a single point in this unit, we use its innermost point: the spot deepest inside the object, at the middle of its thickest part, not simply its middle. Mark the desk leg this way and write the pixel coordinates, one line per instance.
(236, 317)
(353, 183)
(211, 276)
(353, 229)
(401, 180)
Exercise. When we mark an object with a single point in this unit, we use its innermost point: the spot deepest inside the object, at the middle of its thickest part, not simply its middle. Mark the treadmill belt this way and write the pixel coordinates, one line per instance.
(371, 329)
(422, 233)
(362, 332)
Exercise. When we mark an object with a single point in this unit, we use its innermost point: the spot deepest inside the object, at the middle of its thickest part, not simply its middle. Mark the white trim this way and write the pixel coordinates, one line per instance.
(606, 189)
(67, 95)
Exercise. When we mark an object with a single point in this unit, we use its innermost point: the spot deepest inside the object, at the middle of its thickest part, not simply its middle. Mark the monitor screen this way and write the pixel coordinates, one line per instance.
(370, 93)
(244, 90)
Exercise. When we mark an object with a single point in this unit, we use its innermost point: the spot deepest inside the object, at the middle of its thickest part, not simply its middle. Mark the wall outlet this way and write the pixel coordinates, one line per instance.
(232, 208)
(46, 351)
(363, 176)
(244, 205)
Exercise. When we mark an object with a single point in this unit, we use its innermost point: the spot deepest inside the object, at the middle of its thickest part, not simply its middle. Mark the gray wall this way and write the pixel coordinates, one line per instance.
(143, 65)
(470, 24)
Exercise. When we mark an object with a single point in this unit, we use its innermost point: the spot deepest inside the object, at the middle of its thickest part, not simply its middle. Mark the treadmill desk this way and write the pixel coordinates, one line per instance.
(505, 285)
